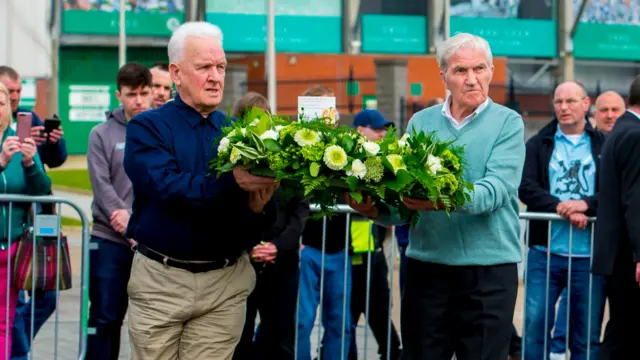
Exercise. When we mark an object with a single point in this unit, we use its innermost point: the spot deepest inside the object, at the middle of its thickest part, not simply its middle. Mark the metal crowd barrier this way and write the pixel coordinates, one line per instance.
(50, 225)
(363, 351)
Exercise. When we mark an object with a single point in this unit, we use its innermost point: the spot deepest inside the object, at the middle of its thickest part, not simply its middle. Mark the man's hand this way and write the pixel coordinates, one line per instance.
(120, 220)
(264, 252)
(251, 183)
(36, 134)
(566, 208)
(578, 220)
(638, 273)
(55, 135)
(421, 205)
(259, 198)
(366, 208)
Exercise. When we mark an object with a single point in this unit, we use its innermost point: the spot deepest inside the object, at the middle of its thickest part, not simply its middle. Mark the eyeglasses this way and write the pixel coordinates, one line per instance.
(569, 102)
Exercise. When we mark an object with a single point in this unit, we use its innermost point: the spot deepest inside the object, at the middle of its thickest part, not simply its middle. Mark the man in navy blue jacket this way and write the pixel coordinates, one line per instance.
(53, 153)
(191, 275)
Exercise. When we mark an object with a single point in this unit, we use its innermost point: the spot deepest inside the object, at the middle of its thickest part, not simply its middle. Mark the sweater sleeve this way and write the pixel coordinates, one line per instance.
(503, 170)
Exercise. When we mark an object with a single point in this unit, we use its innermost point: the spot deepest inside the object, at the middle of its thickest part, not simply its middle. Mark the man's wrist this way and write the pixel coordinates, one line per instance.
(28, 163)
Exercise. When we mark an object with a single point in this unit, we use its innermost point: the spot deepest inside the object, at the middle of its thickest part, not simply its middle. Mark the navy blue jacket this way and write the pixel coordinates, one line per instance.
(534, 189)
(53, 155)
(180, 209)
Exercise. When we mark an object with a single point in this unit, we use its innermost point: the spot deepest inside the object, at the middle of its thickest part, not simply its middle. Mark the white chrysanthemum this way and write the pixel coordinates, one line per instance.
(371, 147)
(235, 155)
(224, 145)
(434, 164)
(358, 169)
(396, 162)
(306, 137)
(403, 140)
(269, 134)
(335, 158)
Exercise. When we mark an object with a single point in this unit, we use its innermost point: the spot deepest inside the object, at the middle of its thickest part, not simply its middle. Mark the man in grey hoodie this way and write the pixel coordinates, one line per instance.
(112, 256)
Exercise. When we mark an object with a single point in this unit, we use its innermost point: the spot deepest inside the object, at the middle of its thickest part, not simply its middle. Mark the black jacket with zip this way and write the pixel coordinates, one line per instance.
(534, 189)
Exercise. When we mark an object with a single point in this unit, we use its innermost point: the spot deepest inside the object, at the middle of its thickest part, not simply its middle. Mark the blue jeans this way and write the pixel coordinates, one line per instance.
(333, 298)
(109, 272)
(579, 305)
(45, 305)
(559, 335)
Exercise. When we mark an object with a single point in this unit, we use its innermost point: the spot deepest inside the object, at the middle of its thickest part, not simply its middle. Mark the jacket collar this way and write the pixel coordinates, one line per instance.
(193, 117)
(548, 132)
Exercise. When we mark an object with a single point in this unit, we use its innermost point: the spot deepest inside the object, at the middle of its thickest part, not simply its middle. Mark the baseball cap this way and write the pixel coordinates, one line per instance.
(371, 118)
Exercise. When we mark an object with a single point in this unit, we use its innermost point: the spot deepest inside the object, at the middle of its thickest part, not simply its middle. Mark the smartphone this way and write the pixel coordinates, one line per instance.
(23, 127)
(51, 124)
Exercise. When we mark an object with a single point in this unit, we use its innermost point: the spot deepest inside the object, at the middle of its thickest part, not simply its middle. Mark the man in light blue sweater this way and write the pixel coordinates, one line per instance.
(462, 276)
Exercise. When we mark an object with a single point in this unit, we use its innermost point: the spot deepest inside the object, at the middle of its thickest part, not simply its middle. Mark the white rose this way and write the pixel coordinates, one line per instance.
(358, 169)
(269, 134)
(224, 145)
(434, 164)
(372, 148)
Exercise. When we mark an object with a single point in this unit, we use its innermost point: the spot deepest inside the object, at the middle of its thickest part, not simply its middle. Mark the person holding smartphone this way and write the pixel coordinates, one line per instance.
(52, 151)
(21, 173)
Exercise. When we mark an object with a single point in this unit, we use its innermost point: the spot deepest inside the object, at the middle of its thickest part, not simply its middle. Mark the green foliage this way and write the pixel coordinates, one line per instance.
(277, 147)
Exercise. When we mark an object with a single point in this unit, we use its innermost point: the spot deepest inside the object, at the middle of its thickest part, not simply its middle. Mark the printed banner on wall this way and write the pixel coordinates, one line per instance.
(512, 27)
(308, 26)
(608, 30)
(102, 17)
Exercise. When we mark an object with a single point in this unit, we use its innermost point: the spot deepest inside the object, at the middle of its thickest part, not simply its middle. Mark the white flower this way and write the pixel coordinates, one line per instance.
(306, 137)
(403, 140)
(280, 127)
(224, 145)
(358, 169)
(434, 164)
(235, 155)
(269, 134)
(371, 147)
(234, 132)
(243, 131)
(255, 122)
(335, 158)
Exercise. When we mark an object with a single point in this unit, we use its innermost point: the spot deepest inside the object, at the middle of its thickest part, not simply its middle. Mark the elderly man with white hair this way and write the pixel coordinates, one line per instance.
(462, 278)
(190, 276)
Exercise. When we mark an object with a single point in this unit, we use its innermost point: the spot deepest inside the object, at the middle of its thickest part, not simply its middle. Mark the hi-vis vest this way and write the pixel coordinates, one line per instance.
(362, 240)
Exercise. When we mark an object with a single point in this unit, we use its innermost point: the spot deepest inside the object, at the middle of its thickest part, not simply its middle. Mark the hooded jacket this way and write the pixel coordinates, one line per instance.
(111, 187)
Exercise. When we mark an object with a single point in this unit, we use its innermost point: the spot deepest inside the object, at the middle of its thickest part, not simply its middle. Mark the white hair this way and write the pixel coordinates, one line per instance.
(462, 41)
(198, 29)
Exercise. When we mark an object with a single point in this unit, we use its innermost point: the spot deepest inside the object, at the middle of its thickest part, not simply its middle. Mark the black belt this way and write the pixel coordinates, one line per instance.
(194, 267)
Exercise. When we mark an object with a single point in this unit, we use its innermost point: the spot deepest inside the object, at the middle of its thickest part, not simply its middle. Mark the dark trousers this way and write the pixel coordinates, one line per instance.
(466, 310)
(274, 297)
(109, 272)
(622, 333)
(379, 313)
(44, 303)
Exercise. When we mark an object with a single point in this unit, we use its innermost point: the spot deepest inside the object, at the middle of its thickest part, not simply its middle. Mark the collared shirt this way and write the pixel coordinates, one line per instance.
(180, 208)
(572, 176)
(446, 111)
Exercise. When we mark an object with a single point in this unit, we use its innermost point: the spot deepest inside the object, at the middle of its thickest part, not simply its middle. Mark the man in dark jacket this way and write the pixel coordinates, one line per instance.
(560, 176)
(276, 292)
(53, 153)
(617, 241)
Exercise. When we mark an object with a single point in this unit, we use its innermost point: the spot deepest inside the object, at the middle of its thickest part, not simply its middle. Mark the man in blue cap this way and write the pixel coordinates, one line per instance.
(371, 124)
(368, 257)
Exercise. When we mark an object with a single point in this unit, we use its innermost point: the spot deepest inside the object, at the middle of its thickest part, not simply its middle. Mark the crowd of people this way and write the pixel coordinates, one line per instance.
(193, 259)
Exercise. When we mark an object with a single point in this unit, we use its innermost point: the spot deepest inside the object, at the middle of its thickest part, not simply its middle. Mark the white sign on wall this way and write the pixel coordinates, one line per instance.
(89, 102)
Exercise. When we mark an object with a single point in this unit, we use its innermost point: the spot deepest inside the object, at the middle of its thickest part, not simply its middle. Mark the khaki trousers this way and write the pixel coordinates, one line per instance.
(176, 314)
